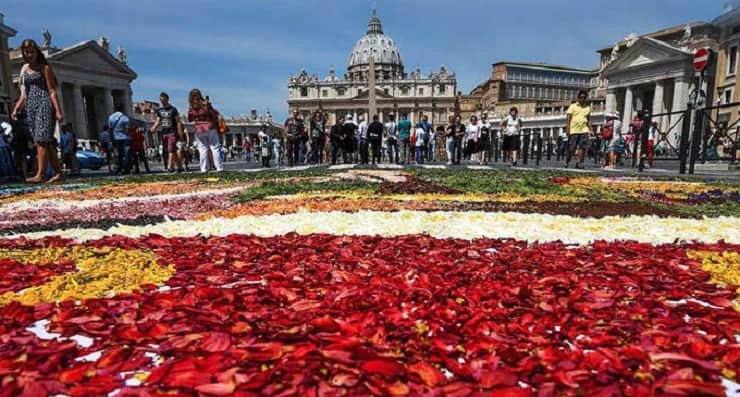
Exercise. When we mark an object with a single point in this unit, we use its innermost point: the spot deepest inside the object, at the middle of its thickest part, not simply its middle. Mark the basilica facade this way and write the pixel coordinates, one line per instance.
(397, 92)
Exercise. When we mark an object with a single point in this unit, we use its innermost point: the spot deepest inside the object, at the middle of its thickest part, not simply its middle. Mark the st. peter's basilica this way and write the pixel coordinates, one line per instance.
(433, 95)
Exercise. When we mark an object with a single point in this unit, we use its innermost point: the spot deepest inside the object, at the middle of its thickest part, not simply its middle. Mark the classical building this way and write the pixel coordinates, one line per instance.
(6, 92)
(396, 91)
(541, 92)
(532, 82)
(654, 72)
(91, 82)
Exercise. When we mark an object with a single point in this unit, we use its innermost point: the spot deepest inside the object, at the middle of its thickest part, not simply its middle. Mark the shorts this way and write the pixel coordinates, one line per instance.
(181, 145)
(511, 143)
(614, 143)
(579, 142)
(170, 142)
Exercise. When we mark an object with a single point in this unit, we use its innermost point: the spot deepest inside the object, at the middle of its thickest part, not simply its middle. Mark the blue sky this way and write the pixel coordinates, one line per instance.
(241, 52)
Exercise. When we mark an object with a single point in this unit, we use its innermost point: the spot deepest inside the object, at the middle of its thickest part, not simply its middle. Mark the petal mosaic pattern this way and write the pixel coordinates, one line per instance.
(371, 283)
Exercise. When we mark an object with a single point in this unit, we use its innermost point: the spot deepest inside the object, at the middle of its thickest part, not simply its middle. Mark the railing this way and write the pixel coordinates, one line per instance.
(714, 137)
(719, 137)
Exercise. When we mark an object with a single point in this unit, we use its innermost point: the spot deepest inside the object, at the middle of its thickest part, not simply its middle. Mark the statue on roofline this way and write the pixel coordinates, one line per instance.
(122, 55)
(47, 38)
(104, 43)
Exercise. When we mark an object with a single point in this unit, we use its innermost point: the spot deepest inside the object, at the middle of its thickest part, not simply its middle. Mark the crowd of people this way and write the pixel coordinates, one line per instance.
(39, 137)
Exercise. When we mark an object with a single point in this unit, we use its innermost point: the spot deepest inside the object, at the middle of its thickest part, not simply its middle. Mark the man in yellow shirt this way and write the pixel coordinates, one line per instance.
(578, 128)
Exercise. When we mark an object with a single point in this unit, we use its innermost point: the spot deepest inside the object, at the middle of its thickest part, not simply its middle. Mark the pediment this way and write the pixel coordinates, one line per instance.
(91, 56)
(644, 53)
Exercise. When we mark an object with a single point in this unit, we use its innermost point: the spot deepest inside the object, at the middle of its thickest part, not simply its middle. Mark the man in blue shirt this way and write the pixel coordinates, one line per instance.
(118, 124)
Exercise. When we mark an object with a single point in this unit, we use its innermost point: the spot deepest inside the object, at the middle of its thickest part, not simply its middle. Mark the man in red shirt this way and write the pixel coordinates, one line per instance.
(138, 147)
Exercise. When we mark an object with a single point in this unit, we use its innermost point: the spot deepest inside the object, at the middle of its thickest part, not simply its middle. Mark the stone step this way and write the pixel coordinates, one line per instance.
(712, 167)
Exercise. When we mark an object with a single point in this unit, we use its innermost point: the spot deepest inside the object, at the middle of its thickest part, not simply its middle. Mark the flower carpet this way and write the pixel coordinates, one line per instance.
(371, 282)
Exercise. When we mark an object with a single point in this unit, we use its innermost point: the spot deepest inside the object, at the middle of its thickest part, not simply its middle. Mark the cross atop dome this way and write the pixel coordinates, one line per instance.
(374, 26)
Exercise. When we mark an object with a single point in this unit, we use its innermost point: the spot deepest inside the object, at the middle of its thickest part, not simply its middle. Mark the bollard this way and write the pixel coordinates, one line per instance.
(683, 147)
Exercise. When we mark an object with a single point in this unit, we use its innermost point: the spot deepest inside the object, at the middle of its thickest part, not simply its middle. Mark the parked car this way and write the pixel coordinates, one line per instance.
(90, 160)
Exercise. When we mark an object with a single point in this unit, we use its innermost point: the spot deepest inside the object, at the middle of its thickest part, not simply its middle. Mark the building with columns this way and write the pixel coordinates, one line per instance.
(92, 82)
(541, 92)
(6, 91)
(434, 95)
(654, 72)
(532, 82)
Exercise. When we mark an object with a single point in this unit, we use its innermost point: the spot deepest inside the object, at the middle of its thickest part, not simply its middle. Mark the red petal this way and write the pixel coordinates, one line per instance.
(216, 342)
(512, 392)
(383, 367)
(693, 388)
(216, 389)
(492, 378)
(682, 357)
(430, 375)
(344, 380)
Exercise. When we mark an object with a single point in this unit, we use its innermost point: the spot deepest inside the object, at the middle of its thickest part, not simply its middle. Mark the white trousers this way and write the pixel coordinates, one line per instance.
(206, 141)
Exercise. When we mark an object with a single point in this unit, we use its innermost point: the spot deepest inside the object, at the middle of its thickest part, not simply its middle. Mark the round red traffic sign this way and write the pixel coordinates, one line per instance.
(701, 59)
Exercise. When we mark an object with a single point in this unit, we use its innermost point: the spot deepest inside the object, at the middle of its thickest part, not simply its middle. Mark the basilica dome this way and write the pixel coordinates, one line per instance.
(388, 62)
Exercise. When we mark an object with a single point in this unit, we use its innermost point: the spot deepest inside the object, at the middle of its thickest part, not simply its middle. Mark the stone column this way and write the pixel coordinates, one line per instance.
(611, 100)
(628, 108)
(107, 101)
(658, 106)
(127, 101)
(78, 110)
(680, 101)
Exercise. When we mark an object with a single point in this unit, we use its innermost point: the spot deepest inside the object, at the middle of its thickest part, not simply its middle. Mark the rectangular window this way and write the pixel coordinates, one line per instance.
(324, 93)
(421, 91)
(304, 91)
(405, 90)
(727, 96)
(732, 61)
(340, 91)
(386, 91)
(442, 88)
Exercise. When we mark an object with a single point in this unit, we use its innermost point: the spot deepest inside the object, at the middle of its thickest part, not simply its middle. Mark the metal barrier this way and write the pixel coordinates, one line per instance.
(719, 138)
